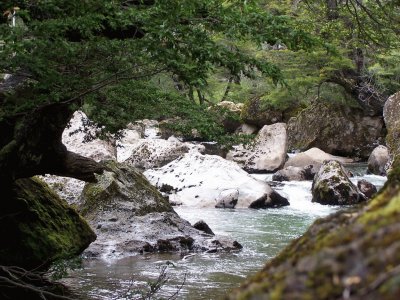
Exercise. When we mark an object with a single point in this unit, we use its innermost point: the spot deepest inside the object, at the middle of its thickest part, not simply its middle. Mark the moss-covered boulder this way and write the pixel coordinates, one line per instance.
(130, 216)
(37, 227)
(255, 112)
(353, 254)
(336, 129)
(391, 113)
(332, 186)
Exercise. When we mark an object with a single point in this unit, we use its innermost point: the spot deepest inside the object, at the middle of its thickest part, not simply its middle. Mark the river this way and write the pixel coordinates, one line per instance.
(263, 233)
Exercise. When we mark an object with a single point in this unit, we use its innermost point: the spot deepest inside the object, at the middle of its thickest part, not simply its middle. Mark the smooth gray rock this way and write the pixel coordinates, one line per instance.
(378, 160)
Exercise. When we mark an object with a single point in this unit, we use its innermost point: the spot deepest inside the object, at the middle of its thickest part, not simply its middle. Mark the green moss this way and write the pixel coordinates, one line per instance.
(37, 227)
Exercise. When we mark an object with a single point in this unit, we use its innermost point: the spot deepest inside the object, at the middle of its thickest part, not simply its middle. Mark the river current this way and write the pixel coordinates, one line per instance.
(263, 233)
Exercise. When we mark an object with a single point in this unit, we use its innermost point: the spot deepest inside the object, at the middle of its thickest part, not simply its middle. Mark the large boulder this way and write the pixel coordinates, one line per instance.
(38, 228)
(314, 157)
(267, 154)
(335, 129)
(228, 114)
(352, 254)
(257, 113)
(391, 114)
(378, 160)
(204, 180)
(130, 216)
(332, 186)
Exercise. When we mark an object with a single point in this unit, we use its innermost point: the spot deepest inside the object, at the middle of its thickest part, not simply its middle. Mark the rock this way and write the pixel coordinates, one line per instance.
(258, 114)
(200, 179)
(391, 114)
(314, 157)
(203, 226)
(66, 188)
(246, 129)
(155, 153)
(38, 228)
(291, 173)
(367, 188)
(131, 216)
(128, 140)
(227, 199)
(332, 186)
(350, 254)
(268, 152)
(80, 137)
(228, 114)
(378, 160)
(272, 200)
(335, 129)
(213, 148)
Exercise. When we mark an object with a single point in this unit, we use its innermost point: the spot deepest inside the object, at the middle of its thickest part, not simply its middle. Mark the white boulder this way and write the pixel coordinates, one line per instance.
(268, 153)
(201, 180)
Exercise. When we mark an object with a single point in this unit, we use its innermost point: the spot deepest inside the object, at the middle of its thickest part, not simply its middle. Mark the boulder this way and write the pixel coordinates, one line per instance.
(332, 186)
(271, 200)
(80, 137)
(314, 157)
(198, 181)
(203, 226)
(246, 129)
(155, 153)
(291, 173)
(131, 216)
(351, 254)
(128, 138)
(38, 228)
(378, 160)
(391, 114)
(228, 114)
(227, 199)
(336, 129)
(267, 154)
(367, 188)
(260, 114)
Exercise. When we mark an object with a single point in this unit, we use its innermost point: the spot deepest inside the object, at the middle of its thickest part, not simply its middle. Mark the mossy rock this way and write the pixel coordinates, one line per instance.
(37, 227)
(121, 188)
(336, 129)
(391, 113)
(257, 113)
(353, 253)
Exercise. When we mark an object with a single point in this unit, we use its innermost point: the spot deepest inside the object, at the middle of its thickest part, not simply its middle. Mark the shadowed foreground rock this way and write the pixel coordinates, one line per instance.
(37, 227)
(352, 254)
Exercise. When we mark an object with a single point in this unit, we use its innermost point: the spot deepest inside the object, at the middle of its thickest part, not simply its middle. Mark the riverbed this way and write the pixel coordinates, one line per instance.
(263, 233)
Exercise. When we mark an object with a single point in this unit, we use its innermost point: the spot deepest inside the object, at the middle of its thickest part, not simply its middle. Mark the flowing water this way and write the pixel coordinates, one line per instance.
(263, 233)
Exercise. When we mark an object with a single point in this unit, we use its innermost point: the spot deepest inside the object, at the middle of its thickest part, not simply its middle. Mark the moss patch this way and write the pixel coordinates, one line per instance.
(37, 227)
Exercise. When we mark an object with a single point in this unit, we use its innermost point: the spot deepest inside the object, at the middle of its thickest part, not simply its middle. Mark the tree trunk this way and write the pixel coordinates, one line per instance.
(363, 88)
(34, 147)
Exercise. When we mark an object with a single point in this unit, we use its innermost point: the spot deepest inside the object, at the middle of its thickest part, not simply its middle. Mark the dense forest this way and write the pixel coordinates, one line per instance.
(129, 60)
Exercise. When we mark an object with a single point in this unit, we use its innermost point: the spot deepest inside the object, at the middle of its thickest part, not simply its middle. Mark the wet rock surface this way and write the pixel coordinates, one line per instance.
(367, 188)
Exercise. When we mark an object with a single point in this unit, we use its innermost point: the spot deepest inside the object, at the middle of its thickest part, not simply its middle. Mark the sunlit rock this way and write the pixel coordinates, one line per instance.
(198, 180)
